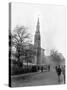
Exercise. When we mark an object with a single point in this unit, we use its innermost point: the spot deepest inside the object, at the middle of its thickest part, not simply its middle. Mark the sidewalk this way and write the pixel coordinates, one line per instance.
(26, 74)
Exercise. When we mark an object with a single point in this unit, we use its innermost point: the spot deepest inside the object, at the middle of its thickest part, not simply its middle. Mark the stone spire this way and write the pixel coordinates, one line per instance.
(37, 38)
(38, 26)
(37, 43)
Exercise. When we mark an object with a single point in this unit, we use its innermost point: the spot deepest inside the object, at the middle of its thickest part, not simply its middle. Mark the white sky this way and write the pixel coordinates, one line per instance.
(52, 23)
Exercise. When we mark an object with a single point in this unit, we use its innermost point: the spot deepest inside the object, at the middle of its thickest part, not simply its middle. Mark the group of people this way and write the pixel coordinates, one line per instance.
(59, 70)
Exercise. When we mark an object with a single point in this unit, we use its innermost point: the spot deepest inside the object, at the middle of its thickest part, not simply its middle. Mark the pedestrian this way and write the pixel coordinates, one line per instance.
(63, 72)
(42, 69)
(58, 70)
(48, 67)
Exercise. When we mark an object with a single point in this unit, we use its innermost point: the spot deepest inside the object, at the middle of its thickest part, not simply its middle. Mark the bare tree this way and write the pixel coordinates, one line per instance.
(57, 57)
(20, 38)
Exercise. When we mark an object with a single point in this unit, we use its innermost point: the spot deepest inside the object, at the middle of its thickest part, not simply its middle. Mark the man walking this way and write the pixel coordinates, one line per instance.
(58, 70)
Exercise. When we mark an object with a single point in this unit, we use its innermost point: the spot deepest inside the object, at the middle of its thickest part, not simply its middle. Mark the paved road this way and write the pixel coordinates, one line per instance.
(36, 79)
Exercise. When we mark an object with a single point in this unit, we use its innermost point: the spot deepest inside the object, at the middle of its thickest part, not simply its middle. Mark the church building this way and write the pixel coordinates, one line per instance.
(37, 44)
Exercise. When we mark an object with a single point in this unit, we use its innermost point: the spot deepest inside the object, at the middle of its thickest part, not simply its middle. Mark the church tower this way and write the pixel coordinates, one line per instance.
(37, 43)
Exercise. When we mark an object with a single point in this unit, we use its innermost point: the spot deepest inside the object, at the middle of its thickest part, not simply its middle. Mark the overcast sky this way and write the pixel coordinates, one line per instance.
(52, 23)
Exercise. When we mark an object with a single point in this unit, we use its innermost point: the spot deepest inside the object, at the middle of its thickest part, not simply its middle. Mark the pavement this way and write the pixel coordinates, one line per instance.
(36, 79)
